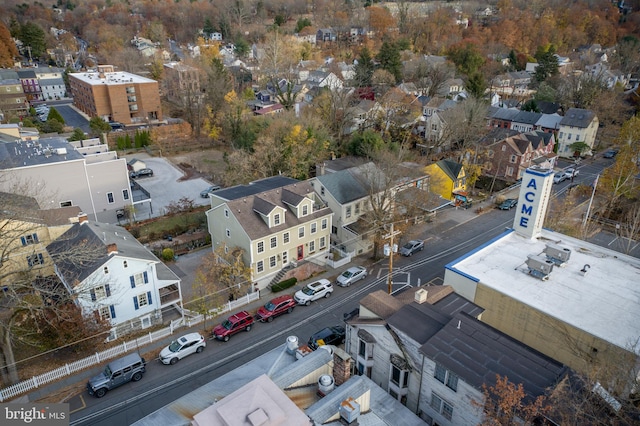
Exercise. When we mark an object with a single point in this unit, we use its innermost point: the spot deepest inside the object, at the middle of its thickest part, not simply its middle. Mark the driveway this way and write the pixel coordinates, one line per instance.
(165, 187)
(72, 117)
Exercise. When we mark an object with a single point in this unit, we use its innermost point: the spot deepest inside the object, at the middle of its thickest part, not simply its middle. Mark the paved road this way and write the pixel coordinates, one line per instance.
(72, 117)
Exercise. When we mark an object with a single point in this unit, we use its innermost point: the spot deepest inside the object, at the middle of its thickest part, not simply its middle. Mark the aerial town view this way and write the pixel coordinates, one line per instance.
(319, 212)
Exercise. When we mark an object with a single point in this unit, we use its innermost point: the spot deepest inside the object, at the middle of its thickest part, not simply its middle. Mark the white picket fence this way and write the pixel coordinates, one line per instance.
(100, 357)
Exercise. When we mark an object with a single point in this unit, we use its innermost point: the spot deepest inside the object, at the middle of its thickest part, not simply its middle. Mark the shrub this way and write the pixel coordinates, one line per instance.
(167, 254)
(283, 285)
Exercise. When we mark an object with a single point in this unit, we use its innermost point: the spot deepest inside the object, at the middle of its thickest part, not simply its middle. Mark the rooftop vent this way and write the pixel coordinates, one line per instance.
(292, 344)
(421, 296)
(326, 384)
(539, 267)
(557, 254)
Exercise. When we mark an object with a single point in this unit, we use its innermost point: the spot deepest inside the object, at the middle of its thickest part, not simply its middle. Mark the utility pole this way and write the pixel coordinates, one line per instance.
(390, 236)
(586, 216)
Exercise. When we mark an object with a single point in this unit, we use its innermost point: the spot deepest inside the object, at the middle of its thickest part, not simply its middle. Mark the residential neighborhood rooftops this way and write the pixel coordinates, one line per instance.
(255, 187)
(44, 151)
(578, 117)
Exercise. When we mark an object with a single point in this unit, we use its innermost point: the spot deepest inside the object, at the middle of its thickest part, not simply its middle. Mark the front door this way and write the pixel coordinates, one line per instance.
(300, 252)
(285, 258)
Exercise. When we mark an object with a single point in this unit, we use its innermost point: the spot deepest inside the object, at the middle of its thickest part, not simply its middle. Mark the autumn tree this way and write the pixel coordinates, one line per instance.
(8, 49)
(335, 108)
(429, 78)
(505, 404)
(98, 126)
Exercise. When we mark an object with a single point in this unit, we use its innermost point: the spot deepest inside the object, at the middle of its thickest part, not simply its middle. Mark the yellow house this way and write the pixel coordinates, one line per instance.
(25, 231)
(446, 177)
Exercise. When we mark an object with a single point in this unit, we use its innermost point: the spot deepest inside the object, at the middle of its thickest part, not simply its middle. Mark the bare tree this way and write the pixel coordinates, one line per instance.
(464, 123)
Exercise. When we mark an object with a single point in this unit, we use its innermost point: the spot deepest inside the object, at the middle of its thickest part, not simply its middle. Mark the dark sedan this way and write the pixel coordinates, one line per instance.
(508, 204)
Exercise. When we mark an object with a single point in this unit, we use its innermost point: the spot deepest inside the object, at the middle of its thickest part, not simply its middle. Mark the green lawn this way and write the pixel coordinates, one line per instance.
(169, 225)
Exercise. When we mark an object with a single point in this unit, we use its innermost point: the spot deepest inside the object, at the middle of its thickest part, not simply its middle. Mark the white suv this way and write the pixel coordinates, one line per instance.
(185, 345)
(313, 291)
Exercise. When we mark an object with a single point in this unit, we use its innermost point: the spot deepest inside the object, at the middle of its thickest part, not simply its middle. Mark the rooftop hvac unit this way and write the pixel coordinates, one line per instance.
(61, 151)
(557, 254)
(539, 266)
(349, 410)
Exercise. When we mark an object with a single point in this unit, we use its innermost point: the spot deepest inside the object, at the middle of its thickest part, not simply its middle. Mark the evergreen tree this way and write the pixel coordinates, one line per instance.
(77, 135)
(98, 126)
(208, 27)
(389, 57)
(476, 85)
(364, 69)
(547, 63)
(33, 36)
(54, 114)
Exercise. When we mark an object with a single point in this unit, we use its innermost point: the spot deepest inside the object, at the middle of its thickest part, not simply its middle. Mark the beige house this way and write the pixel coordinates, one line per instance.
(277, 221)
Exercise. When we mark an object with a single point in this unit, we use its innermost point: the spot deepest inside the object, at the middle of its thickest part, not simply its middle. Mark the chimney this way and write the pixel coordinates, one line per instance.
(421, 296)
(341, 366)
(82, 217)
(112, 248)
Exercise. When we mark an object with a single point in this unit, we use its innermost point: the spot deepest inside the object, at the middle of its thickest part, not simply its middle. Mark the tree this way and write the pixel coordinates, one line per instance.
(476, 85)
(208, 28)
(77, 135)
(302, 23)
(33, 38)
(98, 126)
(363, 69)
(466, 57)
(547, 63)
(531, 105)
(504, 404)
(390, 60)
(52, 126)
(364, 144)
(55, 115)
(8, 49)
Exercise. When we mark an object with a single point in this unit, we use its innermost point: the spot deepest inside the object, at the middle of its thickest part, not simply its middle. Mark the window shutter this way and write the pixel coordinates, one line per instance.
(113, 311)
(107, 290)
(133, 281)
(149, 297)
(135, 302)
(24, 241)
(93, 295)
(146, 277)
(35, 238)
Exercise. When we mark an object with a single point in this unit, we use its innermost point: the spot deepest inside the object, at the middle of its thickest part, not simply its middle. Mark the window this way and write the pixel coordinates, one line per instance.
(260, 266)
(305, 210)
(399, 377)
(441, 406)
(139, 279)
(272, 262)
(260, 246)
(100, 293)
(274, 242)
(504, 147)
(285, 238)
(141, 300)
(106, 270)
(509, 171)
(561, 134)
(348, 213)
(322, 190)
(568, 136)
(577, 137)
(434, 127)
(357, 208)
(334, 229)
(276, 219)
(312, 246)
(446, 377)
(301, 232)
(324, 224)
(226, 213)
(65, 204)
(228, 233)
(133, 107)
(125, 264)
(110, 197)
(323, 243)
(512, 159)
(314, 227)
(35, 259)
(29, 239)
(125, 194)
(107, 312)
(131, 89)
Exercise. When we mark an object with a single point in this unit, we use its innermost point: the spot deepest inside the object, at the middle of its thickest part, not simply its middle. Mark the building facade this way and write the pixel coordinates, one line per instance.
(577, 125)
(116, 96)
(181, 83)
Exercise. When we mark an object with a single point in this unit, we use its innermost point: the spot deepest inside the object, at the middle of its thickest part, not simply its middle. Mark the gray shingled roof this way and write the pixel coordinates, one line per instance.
(95, 237)
(351, 184)
(451, 168)
(527, 117)
(255, 187)
(476, 352)
(577, 117)
(431, 320)
(506, 114)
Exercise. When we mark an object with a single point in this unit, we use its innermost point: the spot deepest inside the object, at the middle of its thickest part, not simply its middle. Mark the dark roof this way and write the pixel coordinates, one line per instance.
(430, 318)
(476, 352)
(26, 73)
(577, 117)
(497, 134)
(547, 107)
(527, 117)
(25, 154)
(451, 168)
(94, 238)
(354, 183)
(506, 114)
(255, 187)
(452, 303)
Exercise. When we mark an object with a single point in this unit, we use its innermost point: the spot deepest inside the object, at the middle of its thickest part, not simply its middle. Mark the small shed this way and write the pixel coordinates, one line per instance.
(135, 165)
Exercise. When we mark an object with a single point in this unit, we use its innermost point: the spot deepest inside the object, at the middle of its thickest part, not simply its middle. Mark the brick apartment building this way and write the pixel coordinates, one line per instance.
(116, 96)
(181, 82)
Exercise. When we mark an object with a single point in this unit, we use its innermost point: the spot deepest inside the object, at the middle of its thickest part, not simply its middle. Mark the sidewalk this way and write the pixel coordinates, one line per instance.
(446, 220)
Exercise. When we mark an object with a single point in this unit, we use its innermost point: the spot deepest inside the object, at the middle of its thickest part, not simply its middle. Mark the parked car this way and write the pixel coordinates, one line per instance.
(570, 173)
(234, 324)
(141, 173)
(559, 177)
(327, 336)
(351, 276)
(611, 153)
(209, 190)
(185, 345)
(412, 247)
(129, 368)
(508, 204)
(276, 307)
(314, 291)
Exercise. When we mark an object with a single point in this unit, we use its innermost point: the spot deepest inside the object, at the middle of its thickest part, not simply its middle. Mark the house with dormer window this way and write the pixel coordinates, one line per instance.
(277, 221)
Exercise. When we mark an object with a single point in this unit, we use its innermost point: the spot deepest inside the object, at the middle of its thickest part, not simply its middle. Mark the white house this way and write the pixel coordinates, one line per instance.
(115, 277)
(577, 125)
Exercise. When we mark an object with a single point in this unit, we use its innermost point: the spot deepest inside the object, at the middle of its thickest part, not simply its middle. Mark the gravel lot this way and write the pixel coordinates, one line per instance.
(165, 187)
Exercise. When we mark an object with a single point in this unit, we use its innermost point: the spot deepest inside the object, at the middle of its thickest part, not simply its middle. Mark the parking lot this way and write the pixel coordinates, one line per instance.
(165, 187)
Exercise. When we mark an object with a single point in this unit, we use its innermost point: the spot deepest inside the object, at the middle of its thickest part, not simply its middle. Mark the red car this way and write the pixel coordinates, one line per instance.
(275, 307)
(234, 324)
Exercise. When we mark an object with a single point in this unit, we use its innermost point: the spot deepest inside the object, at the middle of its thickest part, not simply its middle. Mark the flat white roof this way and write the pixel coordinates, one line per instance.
(120, 77)
(605, 302)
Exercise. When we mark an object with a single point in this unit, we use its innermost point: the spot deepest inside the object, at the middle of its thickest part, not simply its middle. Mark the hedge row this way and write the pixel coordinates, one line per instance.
(283, 285)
